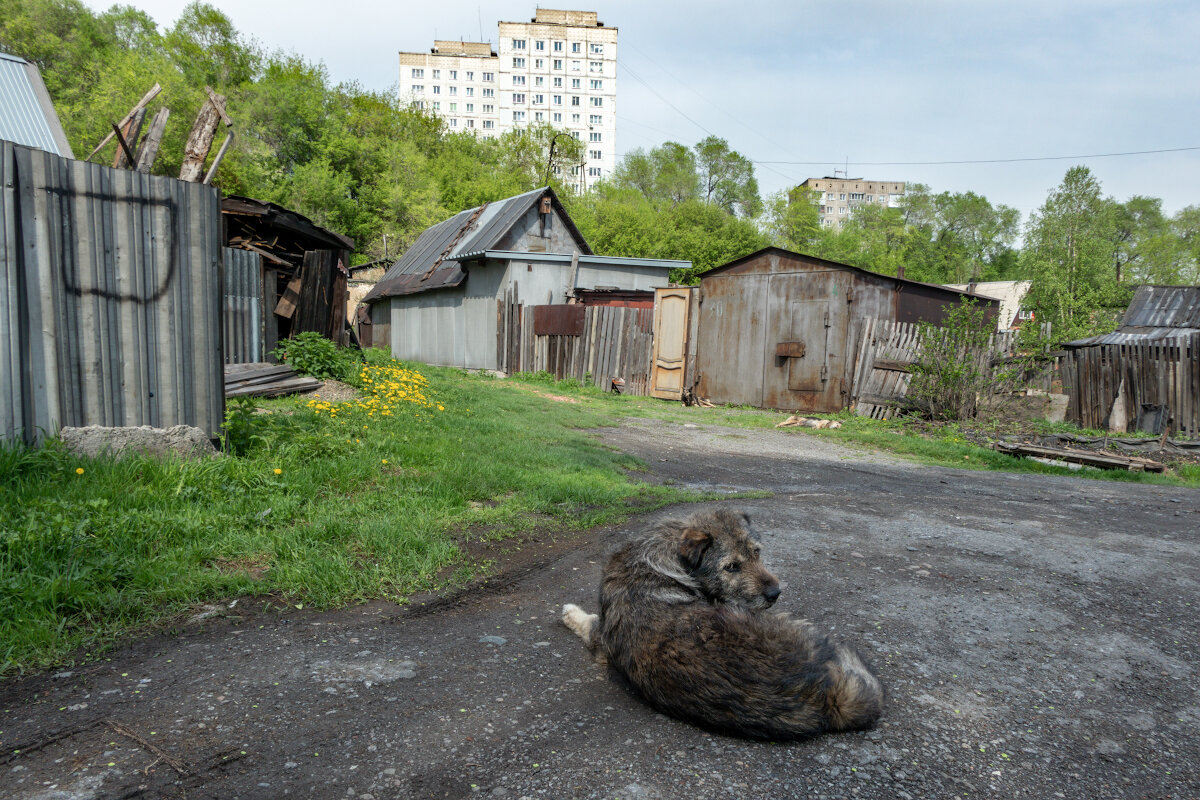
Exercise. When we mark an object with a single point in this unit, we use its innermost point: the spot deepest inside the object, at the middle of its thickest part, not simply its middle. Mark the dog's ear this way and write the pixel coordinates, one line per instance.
(692, 546)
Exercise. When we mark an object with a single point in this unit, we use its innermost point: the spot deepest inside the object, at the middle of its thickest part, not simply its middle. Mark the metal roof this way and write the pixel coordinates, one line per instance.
(599, 261)
(27, 116)
(1156, 314)
(432, 262)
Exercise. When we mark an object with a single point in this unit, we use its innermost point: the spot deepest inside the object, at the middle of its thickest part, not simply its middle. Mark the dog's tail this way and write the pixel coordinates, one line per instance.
(582, 623)
(855, 698)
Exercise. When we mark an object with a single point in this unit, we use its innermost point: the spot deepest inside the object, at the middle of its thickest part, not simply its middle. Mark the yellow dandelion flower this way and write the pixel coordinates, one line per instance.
(79, 470)
(278, 471)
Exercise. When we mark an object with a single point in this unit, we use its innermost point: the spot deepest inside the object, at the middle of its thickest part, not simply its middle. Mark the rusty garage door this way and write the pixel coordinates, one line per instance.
(806, 341)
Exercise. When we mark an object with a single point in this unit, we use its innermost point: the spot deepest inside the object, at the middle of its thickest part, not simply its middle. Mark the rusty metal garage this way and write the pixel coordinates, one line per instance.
(779, 329)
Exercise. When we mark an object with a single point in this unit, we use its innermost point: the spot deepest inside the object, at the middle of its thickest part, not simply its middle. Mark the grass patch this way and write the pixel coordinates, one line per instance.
(323, 505)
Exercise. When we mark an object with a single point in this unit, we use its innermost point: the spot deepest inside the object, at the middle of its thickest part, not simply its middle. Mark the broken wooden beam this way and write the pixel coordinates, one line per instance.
(148, 152)
(150, 95)
(1087, 458)
(200, 140)
(127, 139)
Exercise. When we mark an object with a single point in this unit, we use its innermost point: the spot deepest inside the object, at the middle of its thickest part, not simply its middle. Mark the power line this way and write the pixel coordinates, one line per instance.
(982, 160)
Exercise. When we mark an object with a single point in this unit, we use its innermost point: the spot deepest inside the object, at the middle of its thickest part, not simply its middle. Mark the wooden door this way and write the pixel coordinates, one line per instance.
(669, 361)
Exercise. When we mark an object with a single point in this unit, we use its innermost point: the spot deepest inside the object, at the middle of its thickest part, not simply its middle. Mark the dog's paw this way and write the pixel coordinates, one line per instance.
(579, 621)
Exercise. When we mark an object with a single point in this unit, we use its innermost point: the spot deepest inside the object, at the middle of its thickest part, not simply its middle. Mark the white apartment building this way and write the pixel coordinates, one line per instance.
(838, 197)
(560, 68)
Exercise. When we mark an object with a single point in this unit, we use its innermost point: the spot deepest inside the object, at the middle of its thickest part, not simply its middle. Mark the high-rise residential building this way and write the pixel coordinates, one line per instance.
(560, 68)
(838, 197)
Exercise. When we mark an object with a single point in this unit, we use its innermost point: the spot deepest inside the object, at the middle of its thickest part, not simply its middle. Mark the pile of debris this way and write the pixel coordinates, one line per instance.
(266, 380)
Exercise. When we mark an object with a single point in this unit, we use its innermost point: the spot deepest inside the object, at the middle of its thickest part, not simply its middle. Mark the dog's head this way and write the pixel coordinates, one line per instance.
(720, 552)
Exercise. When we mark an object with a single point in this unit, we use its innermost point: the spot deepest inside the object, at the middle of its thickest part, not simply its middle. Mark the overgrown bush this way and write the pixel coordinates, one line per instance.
(312, 354)
(953, 368)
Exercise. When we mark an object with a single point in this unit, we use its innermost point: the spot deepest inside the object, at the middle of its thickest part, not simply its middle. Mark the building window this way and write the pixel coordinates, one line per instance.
(558, 99)
(575, 101)
(842, 196)
(539, 45)
(418, 89)
(594, 172)
(437, 74)
(596, 49)
(597, 84)
(518, 63)
(470, 76)
(558, 83)
(470, 91)
(574, 83)
(518, 44)
(595, 66)
(453, 90)
(437, 106)
(518, 97)
(856, 195)
(557, 117)
(539, 63)
(539, 81)
(437, 90)
(574, 119)
(489, 92)
(575, 134)
(869, 199)
(454, 106)
(558, 63)
(489, 76)
(574, 47)
(575, 66)
(453, 123)
(558, 47)
(539, 99)
(518, 116)
(418, 73)
(595, 155)
(597, 102)
(518, 80)
(489, 109)
(594, 136)
(538, 116)
(453, 74)
(421, 104)
(470, 108)
(487, 123)
(595, 119)
(470, 122)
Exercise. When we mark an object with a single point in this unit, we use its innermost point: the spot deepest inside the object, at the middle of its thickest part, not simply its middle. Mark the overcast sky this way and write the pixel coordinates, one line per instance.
(849, 84)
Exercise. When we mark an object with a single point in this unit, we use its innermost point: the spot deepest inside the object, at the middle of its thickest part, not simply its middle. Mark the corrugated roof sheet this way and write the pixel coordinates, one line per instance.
(430, 263)
(1164, 307)
(27, 116)
(1156, 314)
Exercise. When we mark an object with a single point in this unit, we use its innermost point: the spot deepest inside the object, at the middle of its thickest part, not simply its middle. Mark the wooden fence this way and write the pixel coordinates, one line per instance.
(593, 344)
(1111, 386)
(886, 352)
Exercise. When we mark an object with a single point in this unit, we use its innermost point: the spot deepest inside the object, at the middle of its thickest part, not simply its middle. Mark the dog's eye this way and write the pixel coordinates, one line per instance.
(732, 566)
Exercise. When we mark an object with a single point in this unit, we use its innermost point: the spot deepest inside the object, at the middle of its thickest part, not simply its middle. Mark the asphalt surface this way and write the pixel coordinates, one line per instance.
(1038, 637)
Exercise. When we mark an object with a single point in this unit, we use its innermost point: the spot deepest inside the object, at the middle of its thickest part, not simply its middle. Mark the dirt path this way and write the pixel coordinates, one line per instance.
(1038, 637)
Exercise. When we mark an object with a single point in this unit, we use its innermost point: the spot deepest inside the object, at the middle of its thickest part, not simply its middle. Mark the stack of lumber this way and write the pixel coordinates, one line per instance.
(1086, 457)
(265, 380)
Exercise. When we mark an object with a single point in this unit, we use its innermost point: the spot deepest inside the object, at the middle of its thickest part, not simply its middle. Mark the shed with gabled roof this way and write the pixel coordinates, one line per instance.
(446, 301)
(27, 115)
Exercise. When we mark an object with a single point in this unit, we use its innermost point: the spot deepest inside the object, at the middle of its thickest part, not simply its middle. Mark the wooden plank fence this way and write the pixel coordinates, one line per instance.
(1108, 385)
(885, 354)
(616, 343)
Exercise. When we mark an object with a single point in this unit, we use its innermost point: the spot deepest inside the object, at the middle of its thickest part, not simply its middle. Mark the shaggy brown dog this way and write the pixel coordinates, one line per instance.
(683, 616)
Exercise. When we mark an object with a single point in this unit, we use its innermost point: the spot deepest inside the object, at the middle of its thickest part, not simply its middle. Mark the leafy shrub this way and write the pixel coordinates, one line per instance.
(953, 367)
(311, 353)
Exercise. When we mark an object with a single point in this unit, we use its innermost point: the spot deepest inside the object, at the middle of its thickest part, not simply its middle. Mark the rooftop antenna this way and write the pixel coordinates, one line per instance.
(479, 12)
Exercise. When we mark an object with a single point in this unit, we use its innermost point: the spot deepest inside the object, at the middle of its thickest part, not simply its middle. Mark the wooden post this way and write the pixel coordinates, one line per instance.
(127, 139)
(200, 142)
(148, 152)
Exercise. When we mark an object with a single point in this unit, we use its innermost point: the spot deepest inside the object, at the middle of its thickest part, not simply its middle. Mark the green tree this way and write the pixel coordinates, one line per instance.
(727, 178)
(791, 219)
(1069, 254)
(665, 174)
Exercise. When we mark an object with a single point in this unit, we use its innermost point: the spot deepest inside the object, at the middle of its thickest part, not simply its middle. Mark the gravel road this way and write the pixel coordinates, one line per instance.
(1038, 637)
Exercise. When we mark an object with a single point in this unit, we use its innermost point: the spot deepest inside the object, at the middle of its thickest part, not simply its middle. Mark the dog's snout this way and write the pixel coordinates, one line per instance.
(771, 593)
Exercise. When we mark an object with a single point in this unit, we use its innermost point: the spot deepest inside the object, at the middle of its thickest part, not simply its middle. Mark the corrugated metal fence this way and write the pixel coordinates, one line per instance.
(1111, 385)
(248, 336)
(111, 298)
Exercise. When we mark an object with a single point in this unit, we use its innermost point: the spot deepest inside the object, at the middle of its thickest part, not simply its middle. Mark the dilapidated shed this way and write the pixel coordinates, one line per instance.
(1145, 375)
(458, 297)
(779, 329)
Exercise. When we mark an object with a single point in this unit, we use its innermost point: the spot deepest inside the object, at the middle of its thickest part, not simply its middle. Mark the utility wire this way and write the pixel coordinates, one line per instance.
(982, 160)
(636, 77)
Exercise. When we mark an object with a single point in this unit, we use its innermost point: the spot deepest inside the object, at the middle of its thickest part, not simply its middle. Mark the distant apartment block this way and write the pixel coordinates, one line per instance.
(838, 197)
(560, 68)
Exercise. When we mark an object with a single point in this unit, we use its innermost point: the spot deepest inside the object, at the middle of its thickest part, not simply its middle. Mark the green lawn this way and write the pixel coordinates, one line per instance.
(328, 506)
